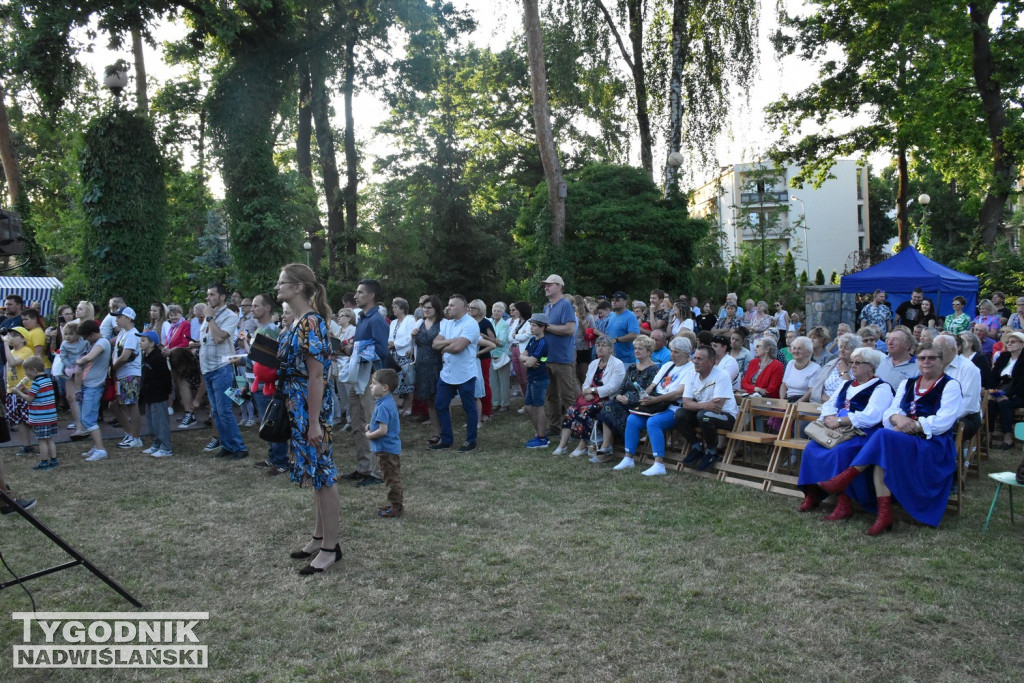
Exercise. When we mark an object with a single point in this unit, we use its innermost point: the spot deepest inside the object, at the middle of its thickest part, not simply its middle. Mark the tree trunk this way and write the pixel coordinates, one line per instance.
(635, 62)
(8, 157)
(328, 169)
(542, 121)
(304, 159)
(902, 190)
(680, 56)
(348, 266)
(142, 99)
(990, 216)
(643, 120)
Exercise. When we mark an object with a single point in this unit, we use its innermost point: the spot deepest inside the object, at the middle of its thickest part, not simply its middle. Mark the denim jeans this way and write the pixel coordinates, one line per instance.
(89, 407)
(445, 394)
(217, 382)
(159, 425)
(278, 453)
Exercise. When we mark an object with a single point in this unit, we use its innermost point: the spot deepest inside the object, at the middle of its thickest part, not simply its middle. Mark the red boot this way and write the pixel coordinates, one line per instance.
(838, 483)
(844, 509)
(884, 520)
(811, 499)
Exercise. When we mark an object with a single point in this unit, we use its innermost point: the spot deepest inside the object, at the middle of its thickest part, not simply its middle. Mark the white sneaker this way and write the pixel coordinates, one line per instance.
(97, 455)
(625, 464)
(136, 443)
(654, 470)
(578, 452)
(89, 452)
(249, 423)
(161, 453)
(522, 411)
(558, 451)
(150, 451)
(125, 440)
(72, 426)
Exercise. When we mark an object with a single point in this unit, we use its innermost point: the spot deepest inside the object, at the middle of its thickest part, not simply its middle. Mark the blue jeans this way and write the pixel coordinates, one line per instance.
(278, 454)
(656, 425)
(159, 425)
(445, 394)
(89, 407)
(217, 382)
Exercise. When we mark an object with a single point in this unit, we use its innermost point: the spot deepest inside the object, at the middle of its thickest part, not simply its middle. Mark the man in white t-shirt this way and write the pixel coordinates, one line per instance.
(708, 405)
(457, 343)
(127, 365)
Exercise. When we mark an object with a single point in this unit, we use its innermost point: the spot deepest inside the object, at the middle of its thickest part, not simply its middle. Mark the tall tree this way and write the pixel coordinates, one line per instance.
(542, 121)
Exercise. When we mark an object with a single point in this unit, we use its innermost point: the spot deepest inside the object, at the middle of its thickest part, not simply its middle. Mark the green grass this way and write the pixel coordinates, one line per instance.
(516, 564)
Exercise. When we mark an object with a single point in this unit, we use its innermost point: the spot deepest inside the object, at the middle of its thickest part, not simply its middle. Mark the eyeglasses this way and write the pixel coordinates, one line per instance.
(860, 362)
(928, 358)
(287, 282)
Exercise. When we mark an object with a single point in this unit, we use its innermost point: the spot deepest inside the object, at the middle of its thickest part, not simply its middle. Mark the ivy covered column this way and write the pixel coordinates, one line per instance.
(121, 249)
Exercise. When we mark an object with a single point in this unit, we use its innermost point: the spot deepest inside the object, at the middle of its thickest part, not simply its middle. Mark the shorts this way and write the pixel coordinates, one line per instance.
(45, 431)
(128, 390)
(536, 392)
(17, 410)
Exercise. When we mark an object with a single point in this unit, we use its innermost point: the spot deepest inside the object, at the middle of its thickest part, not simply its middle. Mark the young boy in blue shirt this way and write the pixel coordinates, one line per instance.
(534, 359)
(385, 442)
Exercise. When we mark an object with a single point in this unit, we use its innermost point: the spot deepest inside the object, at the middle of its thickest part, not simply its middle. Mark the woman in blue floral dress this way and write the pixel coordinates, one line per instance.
(304, 352)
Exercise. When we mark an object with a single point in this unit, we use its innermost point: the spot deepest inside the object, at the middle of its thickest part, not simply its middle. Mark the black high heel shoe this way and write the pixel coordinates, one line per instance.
(302, 554)
(310, 569)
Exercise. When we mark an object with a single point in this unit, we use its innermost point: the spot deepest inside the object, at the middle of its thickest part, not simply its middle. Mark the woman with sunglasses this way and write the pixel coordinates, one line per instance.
(914, 455)
(860, 403)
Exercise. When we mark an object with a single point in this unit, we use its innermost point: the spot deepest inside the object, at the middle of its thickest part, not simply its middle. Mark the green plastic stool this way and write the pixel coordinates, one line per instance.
(1008, 478)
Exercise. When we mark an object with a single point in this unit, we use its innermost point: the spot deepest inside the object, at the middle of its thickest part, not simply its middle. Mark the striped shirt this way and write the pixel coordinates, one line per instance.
(42, 407)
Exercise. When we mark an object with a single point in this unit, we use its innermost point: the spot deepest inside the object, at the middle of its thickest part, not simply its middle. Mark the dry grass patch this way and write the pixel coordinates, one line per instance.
(515, 564)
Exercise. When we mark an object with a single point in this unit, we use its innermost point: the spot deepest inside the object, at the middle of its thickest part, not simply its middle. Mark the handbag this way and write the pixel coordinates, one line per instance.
(110, 389)
(829, 438)
(276, 424)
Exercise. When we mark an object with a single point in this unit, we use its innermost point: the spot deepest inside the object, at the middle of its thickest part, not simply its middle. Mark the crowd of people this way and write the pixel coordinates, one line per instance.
(592, 372)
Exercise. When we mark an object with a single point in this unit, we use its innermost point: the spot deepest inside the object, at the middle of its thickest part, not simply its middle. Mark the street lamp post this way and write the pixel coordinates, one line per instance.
(803, 219)
(307, 246)
(924, 200)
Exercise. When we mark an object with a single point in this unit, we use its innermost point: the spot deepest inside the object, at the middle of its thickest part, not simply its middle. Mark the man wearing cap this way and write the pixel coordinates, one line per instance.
(127, 365)
(560, 334)
(622, 328)
(457, 343)
(216, 346)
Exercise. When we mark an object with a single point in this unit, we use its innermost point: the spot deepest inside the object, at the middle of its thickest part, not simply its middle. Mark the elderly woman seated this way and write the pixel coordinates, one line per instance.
(836, 372)
(800, 372)
(764, 373)
(656, 409)
(614, 413)
(859, 402)
(819, 337)
(604, 375)
(914, 455)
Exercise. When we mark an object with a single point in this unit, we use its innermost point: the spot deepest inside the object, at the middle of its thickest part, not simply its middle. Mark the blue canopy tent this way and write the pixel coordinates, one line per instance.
(41, 289)
(899, 275)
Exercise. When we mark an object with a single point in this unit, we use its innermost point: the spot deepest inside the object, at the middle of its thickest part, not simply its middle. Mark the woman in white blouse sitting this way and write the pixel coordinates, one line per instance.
(800, 372)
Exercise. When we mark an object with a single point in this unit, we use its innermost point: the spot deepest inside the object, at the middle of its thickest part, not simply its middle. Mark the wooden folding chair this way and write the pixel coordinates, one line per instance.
(956, 501)
(739, 465)
(783, 474)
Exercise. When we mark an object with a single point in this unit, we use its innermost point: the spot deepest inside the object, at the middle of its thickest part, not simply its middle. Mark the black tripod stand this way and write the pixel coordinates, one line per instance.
(78, 559)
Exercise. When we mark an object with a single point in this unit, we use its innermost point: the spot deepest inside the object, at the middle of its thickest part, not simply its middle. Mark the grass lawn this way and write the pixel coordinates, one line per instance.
(515, 564)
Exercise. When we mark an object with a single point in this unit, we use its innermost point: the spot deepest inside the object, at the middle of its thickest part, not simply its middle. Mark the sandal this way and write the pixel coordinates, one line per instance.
(388, 512)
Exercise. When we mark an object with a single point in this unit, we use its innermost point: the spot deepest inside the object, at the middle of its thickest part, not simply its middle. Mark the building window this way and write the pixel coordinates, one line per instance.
(860, 218)
(860, 244)
(860, 184)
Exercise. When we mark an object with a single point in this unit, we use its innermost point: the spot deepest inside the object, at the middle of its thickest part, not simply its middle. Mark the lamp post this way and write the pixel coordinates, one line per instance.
(307, 246)
(803, 219)
(924, 200)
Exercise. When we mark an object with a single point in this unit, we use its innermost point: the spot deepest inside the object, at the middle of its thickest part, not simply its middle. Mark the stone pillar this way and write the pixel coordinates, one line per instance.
(824, 305)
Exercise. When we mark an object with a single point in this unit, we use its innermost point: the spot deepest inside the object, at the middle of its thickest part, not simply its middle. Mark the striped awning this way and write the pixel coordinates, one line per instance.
(41, 289)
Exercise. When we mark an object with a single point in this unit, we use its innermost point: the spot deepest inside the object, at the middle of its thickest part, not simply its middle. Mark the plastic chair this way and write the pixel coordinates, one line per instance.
(1007, 478)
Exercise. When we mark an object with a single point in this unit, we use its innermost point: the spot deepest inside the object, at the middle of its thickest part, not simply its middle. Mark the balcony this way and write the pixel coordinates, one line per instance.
(768, 196)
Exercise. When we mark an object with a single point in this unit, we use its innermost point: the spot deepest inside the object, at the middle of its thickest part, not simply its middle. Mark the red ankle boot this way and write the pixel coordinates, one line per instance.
(811, 499)
(884, 520)
(844, 509)
(838, 483)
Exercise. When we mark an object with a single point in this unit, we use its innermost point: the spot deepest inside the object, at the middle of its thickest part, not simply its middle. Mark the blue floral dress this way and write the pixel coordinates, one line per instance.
(309, 336)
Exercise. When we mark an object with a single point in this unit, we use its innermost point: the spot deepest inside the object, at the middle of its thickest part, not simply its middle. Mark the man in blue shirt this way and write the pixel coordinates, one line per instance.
(560, 335)
(457, 343)
(371, 326)
(622, 328)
